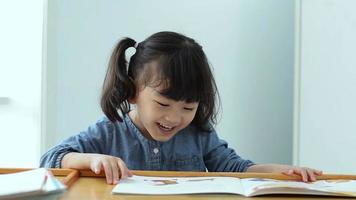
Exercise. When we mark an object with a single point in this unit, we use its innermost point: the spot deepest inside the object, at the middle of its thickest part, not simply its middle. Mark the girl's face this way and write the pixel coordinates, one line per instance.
(158, 117)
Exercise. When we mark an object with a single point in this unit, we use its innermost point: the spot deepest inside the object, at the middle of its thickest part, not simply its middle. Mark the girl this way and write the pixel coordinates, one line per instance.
(170, 83)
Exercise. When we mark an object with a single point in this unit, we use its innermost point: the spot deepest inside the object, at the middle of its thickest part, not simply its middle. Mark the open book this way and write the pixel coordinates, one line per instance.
(145, 185)
(32, 184)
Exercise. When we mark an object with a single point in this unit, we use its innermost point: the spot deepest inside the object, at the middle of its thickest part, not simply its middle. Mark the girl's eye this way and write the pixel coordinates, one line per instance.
(162, 104)
(189, 109)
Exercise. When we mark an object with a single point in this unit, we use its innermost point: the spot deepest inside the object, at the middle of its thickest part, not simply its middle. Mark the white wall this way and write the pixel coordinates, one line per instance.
(20, 82)
(248, 42)
(326, 136)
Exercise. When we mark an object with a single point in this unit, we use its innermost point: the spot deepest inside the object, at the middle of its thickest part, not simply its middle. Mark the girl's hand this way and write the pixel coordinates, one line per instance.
(306, 174)
(115, 169)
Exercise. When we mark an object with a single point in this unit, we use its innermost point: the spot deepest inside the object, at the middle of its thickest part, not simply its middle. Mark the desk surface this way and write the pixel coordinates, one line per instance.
(95, 188)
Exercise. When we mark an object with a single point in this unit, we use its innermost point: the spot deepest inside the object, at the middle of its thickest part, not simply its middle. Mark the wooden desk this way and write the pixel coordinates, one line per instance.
(92, 187)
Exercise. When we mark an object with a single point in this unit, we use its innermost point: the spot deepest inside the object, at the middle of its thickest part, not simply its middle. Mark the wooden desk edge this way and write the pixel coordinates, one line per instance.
(71, 175)
(89, 173)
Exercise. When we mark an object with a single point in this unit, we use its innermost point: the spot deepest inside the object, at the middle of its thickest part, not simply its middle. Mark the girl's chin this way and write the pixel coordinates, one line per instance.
(160, 139)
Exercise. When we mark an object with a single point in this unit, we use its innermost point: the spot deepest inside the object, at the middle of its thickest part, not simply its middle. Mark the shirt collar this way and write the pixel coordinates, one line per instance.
(137, 132)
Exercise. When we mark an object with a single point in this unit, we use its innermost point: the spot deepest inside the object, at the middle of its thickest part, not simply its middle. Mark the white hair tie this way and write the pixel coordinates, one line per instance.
(136, 45)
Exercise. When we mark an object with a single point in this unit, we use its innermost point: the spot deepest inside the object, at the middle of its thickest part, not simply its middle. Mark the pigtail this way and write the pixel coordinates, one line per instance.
(118, 86)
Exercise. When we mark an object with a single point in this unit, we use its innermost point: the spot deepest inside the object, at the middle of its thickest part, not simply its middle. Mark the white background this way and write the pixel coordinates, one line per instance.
(249, 43)
(20, 82)
(327, 89)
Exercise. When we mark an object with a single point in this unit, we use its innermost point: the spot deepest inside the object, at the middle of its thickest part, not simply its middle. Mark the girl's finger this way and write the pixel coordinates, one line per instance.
(318, 172)
(125, 172)
(300, 172)
(288, 172)
(108, 171)
(96, 167)
(303, 174)
(291, 171)
(115, 171)
(311, 175)
(123, 169)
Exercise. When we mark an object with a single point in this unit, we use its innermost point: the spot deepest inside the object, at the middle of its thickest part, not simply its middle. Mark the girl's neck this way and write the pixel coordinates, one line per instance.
(137, 122)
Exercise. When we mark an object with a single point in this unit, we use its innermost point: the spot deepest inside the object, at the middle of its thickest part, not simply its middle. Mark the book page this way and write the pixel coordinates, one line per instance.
(53, 185)
(22, 182)
(178, 185)
(31, 183)
(260, 186)
(346, 187)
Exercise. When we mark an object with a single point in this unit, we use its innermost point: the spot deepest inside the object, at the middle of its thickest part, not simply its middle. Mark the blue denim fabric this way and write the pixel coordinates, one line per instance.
(189, 150)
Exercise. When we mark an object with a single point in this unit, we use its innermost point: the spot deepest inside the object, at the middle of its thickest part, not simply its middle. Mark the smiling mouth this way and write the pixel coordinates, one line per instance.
(165, 128)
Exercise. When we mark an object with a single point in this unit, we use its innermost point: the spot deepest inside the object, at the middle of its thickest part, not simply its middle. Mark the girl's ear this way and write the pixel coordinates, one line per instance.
(132, 101)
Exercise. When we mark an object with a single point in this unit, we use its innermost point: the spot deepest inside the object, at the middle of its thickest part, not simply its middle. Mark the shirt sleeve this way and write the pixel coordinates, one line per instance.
(219, 157)
(96, 139)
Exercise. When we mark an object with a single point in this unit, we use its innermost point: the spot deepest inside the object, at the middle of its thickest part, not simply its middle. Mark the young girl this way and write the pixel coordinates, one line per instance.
(170, 84)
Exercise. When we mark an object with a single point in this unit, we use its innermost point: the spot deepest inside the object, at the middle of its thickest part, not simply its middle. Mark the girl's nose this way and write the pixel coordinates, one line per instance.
(173, 118)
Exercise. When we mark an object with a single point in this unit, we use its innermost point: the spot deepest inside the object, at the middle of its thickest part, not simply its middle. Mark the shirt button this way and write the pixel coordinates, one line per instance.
(155, 150)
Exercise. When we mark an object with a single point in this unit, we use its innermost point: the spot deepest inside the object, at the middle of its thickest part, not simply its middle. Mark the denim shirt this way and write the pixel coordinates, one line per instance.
(189, 150)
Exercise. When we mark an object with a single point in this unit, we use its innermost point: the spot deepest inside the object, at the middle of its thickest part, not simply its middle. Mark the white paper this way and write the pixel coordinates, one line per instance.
(177, 185)
(29, 183)
(146, 185)
(260, 186)
(21, 182)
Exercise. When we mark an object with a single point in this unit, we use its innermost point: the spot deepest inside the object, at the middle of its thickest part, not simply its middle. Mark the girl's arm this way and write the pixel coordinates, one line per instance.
(76, 160)
(96, 139)
(307, 174)
(221, 158)
(218, 157)
(86, 151)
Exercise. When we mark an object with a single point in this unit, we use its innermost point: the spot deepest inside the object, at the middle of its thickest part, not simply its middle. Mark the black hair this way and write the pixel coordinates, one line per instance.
(182, 67)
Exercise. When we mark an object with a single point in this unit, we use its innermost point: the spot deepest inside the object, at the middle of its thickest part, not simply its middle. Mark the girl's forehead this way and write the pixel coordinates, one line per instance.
(157, 92)
(157, 85)
(172, 81)
(153, 76)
